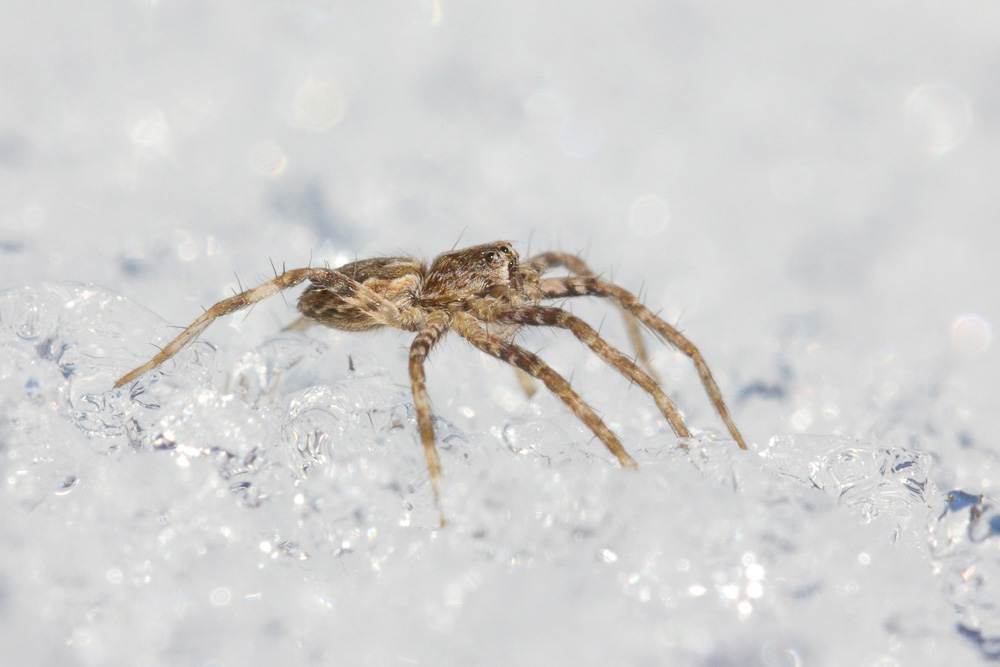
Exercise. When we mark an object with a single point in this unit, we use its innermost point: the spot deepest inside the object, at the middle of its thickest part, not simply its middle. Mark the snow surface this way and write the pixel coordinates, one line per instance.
(809, 190)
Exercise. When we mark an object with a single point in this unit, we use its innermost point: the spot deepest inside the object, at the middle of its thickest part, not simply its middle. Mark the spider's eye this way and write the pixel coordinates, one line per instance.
(490, 256)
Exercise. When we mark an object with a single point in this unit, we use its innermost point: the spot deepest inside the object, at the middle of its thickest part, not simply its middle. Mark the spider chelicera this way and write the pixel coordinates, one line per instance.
(484, 294)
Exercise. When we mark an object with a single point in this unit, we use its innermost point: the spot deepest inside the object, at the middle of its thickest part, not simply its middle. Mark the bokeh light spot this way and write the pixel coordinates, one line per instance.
(938, 116)
(187, 249)
(220, 597)
(802, 418)
(432, 11)
(318, 105)
(34, 216)
(266, 159)
(149, 131)
(649, 216)
(971, 333)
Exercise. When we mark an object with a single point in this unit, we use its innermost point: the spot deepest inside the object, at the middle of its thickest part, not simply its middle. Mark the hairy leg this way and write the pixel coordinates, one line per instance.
(232, 304)
(526, 383)
(468, 327)
(300, 324)
(547, 316)
(551, 260)
(557, 288)
(434, 331)
(351, 296)
(360, 297)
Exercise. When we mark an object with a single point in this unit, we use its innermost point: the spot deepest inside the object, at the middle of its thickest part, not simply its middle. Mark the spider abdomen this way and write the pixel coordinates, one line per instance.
(333, 299)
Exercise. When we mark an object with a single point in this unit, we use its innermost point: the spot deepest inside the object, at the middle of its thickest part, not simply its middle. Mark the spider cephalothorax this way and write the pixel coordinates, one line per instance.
(484, 294)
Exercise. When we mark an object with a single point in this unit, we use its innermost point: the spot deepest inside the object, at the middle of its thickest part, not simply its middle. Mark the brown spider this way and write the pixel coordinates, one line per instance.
(484, 294)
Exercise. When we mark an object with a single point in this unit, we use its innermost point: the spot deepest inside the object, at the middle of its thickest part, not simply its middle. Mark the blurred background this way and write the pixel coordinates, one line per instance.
(752, 168)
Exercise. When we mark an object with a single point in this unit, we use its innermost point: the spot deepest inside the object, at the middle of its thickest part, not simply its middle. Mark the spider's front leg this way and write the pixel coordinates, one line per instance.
(232, 304)
(558, 288)
(468, 327)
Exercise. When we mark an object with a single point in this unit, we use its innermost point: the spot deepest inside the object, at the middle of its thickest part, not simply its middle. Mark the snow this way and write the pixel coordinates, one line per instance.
(807, 191)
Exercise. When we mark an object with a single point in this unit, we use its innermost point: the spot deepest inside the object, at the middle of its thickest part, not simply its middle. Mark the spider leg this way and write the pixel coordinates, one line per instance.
(547, 316)
(468, 327)
(526, 383)
(433, 332)
(300, 324)
(230, 305)
(551, 260)
(557, 288)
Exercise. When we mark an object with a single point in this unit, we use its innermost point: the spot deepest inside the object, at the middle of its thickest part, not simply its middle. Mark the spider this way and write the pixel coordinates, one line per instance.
(485, 294)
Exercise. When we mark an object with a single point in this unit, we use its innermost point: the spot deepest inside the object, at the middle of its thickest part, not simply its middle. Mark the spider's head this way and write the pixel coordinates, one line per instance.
(491, 269)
